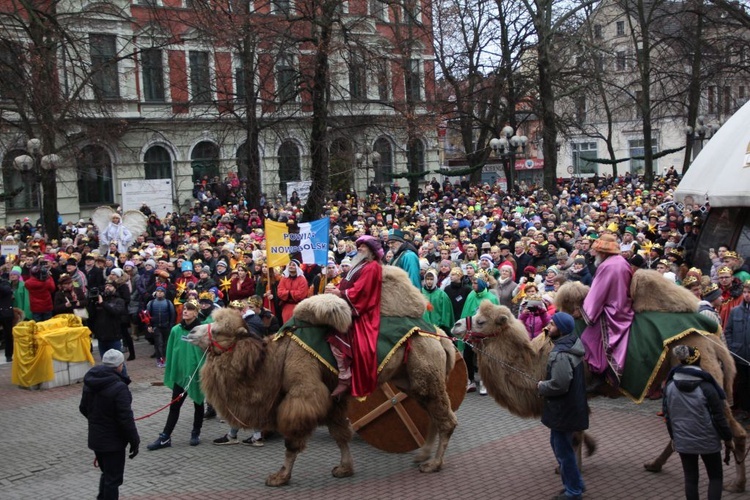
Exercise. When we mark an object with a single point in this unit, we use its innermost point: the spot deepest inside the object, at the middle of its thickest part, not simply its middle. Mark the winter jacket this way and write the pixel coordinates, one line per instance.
(694, 411)
(737, 331)
(65, 301)
(40, 294)
(104, 318)
(291, 291)
(534, 321)
(457, 292)
(564, 389)
(240, 291)
(584, 276)
(106, 404)
(21, 298)
(6, 299)
(184, 361)
(439, 310)
(162, 313)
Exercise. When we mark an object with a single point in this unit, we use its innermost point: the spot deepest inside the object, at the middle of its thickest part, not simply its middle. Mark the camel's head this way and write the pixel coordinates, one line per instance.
(325, 310)
(221, 335)
(569, 298)
(489, 321)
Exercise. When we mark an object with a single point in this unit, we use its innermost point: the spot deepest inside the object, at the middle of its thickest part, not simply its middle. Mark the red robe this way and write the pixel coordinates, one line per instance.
(291, 291)
(363, 295)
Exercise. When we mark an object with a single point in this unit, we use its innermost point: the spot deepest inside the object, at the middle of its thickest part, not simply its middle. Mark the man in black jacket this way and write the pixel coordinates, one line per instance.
(106, 404)
(105, 311)
(565, 407)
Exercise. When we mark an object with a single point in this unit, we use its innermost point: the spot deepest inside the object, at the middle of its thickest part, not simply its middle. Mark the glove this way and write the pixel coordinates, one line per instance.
(133, 451)
(728, 447)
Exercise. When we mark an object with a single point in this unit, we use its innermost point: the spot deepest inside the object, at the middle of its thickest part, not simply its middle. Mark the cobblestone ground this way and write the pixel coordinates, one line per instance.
(492, 454)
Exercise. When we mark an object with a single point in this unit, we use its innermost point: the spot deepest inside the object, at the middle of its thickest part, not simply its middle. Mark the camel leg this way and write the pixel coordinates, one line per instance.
(444, 420)
(283, 475)
(656, 464)
(425, 451)
(739, 436)
(341, 431)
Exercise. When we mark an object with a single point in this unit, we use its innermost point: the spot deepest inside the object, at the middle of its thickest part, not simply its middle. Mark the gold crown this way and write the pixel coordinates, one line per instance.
(237, 304)
(192, 303)
(206, 295)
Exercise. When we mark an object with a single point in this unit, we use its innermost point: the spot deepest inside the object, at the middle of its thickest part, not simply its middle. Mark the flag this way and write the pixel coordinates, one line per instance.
(311, 242)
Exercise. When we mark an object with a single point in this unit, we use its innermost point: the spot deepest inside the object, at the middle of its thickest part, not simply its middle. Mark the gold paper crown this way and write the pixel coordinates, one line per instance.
(710, 288)
(192, 303)
(725, 269)
(690, 281)
(731, 254)
(237, 304)
(206, 295)
(695, 357)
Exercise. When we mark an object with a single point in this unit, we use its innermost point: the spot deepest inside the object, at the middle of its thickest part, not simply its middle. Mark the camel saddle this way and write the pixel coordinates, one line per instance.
(387, 419)
(651, 334)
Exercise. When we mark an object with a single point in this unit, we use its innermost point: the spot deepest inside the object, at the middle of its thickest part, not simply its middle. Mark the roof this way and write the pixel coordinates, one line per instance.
(721, 172)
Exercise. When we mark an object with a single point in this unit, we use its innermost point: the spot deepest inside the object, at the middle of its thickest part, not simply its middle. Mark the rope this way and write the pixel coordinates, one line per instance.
(181, 395)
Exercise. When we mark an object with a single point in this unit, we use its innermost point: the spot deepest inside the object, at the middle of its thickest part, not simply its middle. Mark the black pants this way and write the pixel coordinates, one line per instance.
(7, 324)
(174, 413)
(742, 387)
(469, 360)
(127, 339)
(714, 472)
(112, 465)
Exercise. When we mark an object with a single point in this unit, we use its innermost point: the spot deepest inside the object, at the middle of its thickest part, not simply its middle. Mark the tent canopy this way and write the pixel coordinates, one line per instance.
(721, 172)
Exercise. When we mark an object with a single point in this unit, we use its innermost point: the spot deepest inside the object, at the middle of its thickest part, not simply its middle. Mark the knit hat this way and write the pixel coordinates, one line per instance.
(346, 261)
(222, 264)
(150, 262)
(16, 270)
(128, 263)
(161, 289)
(564, 322)
(117, 272)
(113, 358)
(186, 266)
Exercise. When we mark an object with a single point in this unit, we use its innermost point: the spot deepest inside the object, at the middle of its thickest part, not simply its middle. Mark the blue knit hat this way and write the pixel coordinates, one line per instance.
(564, 322)
(186, 266)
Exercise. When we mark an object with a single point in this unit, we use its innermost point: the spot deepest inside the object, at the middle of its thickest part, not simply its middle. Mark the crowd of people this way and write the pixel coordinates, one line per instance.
(460, 244)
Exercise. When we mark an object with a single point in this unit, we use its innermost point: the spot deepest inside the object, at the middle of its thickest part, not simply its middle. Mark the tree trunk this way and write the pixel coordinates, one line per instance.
(694, 88)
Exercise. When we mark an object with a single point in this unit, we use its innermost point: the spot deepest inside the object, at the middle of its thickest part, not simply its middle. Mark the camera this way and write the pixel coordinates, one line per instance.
(94, 293)
(43, 272)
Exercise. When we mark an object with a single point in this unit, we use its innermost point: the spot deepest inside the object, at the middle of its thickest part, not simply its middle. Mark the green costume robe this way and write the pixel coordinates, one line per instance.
(442, 309)
(474, 299)
(21, 300)
(182, 359)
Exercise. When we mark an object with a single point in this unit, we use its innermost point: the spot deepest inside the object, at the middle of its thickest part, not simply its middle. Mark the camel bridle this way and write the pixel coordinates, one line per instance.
(216, 345)
(471, 335)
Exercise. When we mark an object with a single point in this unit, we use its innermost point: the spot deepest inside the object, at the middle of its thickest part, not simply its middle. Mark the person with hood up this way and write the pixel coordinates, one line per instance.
(693, 408)
(439, 310)
(106, 404)
(565, 408)
(404, 256)
(292, 289)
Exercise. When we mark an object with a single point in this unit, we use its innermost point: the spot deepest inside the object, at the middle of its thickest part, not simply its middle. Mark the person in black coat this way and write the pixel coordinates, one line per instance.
(6, 315)
(565, 408)
(105, 311)
(106, 404)
(68, 298)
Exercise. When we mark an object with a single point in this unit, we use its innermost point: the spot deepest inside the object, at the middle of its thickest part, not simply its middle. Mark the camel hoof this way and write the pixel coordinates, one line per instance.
(341, 471)
(652, 467)
(735, 487)
(431, 466)
(277, 479)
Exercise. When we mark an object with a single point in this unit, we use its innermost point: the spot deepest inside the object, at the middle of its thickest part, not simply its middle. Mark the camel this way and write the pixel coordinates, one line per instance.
(510, 364)
(275, 384)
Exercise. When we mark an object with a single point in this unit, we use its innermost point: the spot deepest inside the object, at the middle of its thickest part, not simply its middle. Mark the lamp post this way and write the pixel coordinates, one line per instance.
(699, 133)
(506, 147)
(38, 165)
(367, 157)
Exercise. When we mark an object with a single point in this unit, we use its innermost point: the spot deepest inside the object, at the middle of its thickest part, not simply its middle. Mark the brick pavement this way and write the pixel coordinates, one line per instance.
(492, 454)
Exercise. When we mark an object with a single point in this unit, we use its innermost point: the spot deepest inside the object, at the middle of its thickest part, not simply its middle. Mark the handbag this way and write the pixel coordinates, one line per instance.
(81, 312)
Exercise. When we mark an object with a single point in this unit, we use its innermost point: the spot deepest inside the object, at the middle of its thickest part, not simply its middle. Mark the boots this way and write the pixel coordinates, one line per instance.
(345, 373)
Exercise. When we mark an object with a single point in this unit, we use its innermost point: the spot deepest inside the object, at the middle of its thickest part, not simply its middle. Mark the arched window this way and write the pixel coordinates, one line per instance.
(289, 165)
(205, 160)
(243, 166)
(415, 156)
(157, 163)
(385, 165)
(13, 179)
(94, 176)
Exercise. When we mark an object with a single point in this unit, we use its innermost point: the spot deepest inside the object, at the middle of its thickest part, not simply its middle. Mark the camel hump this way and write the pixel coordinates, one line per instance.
(325, 309)
(650, 291)
(399, 297)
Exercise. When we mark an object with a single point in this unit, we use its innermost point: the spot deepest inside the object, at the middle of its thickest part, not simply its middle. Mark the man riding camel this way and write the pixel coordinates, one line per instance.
(356, 350)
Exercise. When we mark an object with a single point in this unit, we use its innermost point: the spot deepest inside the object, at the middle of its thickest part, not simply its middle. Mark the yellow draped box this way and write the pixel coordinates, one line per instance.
(37, 345)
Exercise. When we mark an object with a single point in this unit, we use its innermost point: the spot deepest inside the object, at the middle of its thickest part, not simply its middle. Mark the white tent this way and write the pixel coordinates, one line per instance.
(721, 172)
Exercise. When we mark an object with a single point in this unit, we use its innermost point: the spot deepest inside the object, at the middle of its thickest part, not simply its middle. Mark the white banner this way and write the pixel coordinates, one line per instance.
(302, 188)
(156, 193)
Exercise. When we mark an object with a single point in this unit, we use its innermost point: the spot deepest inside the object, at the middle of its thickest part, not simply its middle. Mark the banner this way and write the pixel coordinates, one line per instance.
(310, 242)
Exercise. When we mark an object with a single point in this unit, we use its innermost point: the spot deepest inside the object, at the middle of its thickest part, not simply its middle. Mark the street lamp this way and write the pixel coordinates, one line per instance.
(700, 133)
(37, 165)
(506, 147)
(367, 157)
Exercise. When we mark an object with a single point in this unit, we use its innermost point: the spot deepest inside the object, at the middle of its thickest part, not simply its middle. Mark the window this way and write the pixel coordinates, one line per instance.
(620, 28)
(637, 151)
(620, 61)
(357, 76)
(94, 176)
(581, 109)
(582, 153)
(598, 31)
(153, 75)
(239, 81)
(411, 12)
(382, 76)
(157, 163)
(378, 10)
(281, 7)
(711, 100)
(286, 76)
(11, 70)
(413, 81)
(200, 77)
(104, 76)
(289, 164)
(639, 104)
(726, 98)
(415, 156)
(599, 63)
(385, 166)
(28, 198)
(205, 160)
(741, 96)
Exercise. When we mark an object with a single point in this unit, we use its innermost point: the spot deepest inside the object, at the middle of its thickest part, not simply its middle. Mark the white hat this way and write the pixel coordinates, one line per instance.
(113, 358)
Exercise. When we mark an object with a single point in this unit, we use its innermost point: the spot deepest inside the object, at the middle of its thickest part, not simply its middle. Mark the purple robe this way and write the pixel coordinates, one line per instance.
(608, 311)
